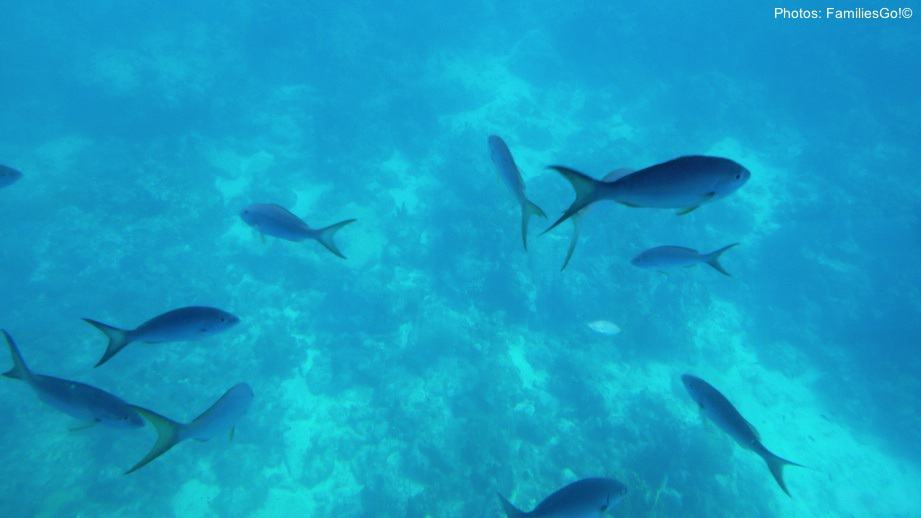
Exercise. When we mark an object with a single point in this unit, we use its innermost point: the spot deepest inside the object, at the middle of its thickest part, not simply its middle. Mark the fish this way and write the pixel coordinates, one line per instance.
(178, 325)
(604, 327)
(8, 175)
(664, 257)
(219, 418)
(270, 219)
(589, 497)
(577, 218)
(83, 402)
(511, 177)
(684, 183)
(715, 406)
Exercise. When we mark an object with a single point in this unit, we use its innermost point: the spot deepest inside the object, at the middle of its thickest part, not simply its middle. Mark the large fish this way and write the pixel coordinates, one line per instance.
(511, 176)
(8, 175)
(586, 498)
(683, 183)
(577, 218)
(179, 325)
(274, 220)
(665, 257)
(718, 409)
(219, 418)
(78, 400)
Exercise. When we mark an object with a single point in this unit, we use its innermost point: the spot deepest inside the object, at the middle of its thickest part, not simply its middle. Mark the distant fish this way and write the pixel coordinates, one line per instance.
(604, 327)
(78, 400)
(220, 418)
(585, 498)
(511, 176)
(665, 257)
(179, 325)
(683, 183)
(577, 218)
(718, 409)
(274, 220)
(8, 175)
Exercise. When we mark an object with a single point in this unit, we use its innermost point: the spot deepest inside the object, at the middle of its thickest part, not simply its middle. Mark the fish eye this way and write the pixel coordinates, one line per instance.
(738, 176)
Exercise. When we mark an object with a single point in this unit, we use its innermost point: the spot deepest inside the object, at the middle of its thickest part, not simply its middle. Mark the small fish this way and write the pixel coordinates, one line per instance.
(604, 327)
(683, 183)
(577, 218)
(718, 409)
(274, 220)
(179, 325)
(219, 418)
(585, 498)
(78, 400)
(8, 175)
(665, 257)
(511, 176)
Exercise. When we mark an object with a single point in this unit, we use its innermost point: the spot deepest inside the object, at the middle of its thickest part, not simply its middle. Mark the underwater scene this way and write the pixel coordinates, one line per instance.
(460, 259)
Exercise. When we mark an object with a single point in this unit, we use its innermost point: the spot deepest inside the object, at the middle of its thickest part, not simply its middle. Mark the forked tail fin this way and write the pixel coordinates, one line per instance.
(573, 239)
(776, 465)
(118, 339)
(510, 510)
(168, 435)
(325, 236)
(19, 371)
(528, 209)
(587, 191)
(713, 259)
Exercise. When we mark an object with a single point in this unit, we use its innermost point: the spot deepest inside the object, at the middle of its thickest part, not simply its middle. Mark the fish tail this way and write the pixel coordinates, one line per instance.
(573, 239)
(118, 339)
(510, 510)
(776, 465)
(19, 371)
(168, 435)
(713, 259)
(587, 192)
(325, 236)
(528, 209)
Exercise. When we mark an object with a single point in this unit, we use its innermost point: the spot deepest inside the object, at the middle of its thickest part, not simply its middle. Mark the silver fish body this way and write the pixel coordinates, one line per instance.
(718, 409)
(586, 498)
(78, 400)
(270, 219)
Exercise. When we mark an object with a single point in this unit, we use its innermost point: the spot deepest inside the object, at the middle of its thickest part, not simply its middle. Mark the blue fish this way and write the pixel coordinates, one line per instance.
(219, 418)
(179, 325)
(683, 183)
(8, 175)
(718, 409)
(586, 498)
(665, 257)
(511, 176)
(274, 220)
(78, 400)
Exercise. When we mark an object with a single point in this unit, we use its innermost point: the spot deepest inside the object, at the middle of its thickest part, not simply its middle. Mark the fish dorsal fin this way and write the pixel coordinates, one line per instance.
(617, 174)
(753, 430)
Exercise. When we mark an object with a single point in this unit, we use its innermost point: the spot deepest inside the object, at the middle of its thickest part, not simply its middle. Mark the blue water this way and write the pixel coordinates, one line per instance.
(440, 363)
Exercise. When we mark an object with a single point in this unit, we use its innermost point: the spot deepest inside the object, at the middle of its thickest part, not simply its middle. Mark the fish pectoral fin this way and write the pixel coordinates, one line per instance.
(707, 197)
(84, 426)
(232, 430)
(753, 430)
(262, 237)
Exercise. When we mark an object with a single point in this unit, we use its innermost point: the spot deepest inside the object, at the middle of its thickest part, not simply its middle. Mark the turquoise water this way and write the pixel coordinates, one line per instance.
(440, 363)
